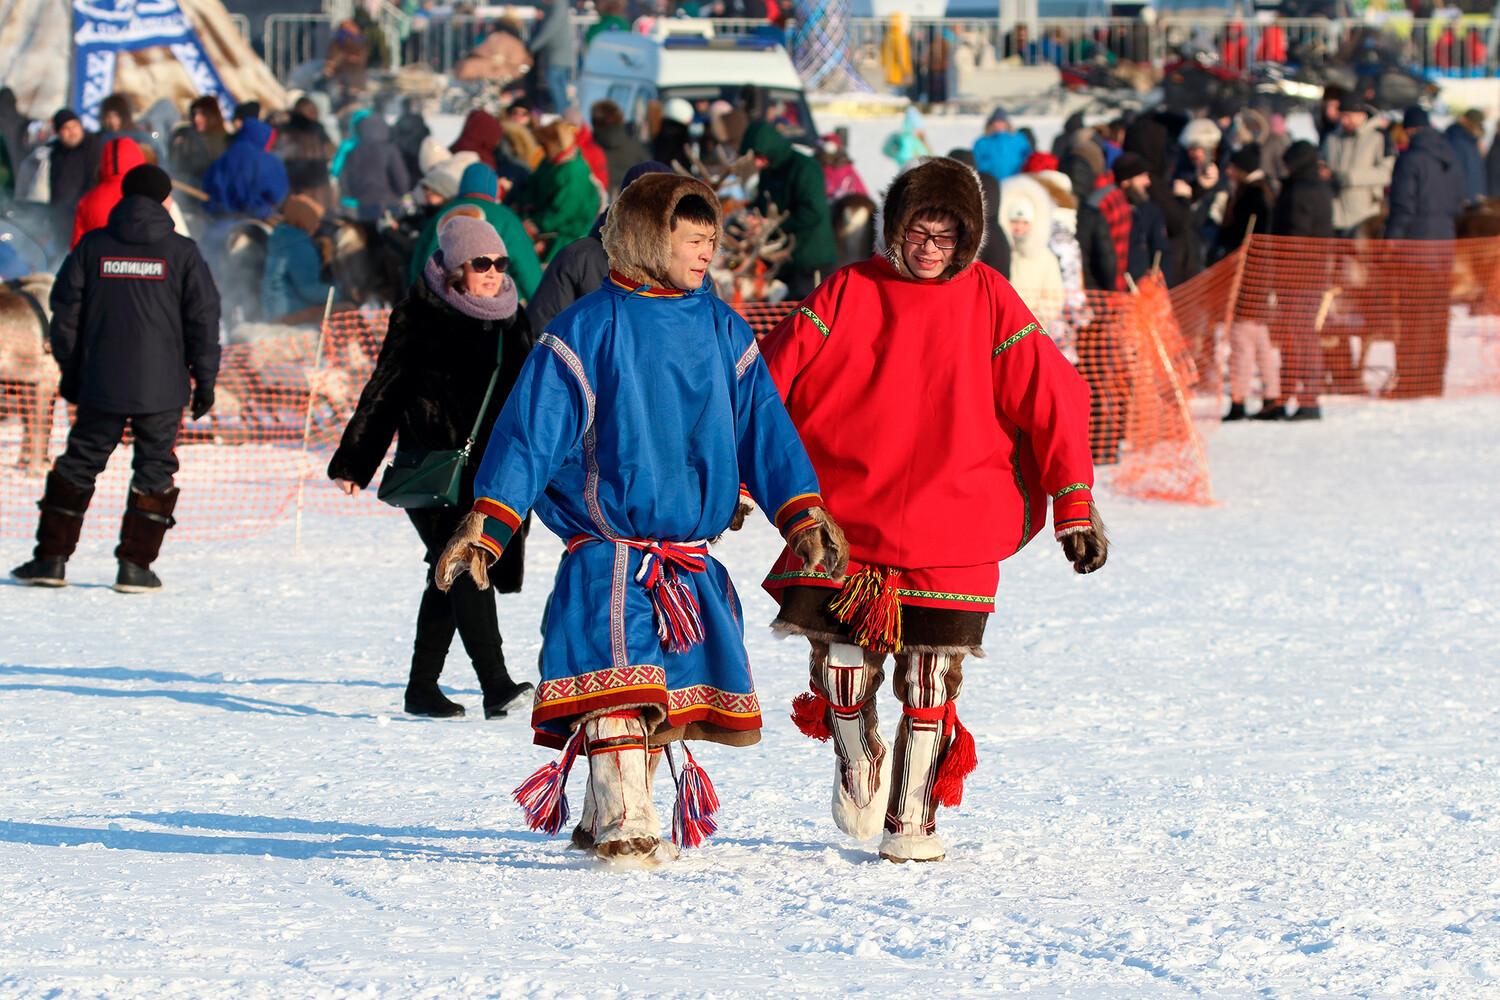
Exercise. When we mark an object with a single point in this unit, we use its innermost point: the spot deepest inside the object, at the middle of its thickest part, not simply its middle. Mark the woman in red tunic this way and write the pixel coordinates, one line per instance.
(940, 417)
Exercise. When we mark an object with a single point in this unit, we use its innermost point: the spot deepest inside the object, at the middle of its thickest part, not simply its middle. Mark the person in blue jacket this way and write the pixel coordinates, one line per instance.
(639, 419)
(292, 282)
(248, 180)
(1000, 152)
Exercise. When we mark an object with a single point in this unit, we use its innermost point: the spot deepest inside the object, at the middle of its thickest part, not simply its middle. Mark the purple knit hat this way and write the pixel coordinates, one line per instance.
(464, 238)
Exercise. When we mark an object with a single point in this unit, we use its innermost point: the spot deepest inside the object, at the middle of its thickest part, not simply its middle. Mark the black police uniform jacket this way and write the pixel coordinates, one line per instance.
(135, 314)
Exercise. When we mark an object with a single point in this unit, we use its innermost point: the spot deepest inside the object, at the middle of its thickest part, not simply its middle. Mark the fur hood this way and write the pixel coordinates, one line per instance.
(1025, 189)
(637, 235)
(934, 184)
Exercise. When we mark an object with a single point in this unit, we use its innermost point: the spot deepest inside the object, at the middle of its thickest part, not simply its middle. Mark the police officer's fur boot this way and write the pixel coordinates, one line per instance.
(147, 518)
(63, 506)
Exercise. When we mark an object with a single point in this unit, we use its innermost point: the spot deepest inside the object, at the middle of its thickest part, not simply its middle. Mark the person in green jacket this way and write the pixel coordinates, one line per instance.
(561, 199)
(480, 188)
(609, 20)
(794, 182)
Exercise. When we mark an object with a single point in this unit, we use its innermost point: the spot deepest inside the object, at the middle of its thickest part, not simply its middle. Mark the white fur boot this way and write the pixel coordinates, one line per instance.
(925, 682)
(587, 830)
(863, 767)
(624, 822)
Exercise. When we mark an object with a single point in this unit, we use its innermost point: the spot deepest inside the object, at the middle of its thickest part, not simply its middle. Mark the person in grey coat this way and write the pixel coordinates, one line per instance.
(374, 177)
(552, 45)
(1356, 155)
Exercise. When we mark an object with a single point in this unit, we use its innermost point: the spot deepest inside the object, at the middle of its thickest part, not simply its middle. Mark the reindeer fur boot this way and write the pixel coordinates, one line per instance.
(588, 823)
(925, 683)
(625, 824)
(848, 677)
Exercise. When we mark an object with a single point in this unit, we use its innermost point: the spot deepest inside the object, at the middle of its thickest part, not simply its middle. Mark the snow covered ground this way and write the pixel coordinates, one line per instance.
(1256, 756)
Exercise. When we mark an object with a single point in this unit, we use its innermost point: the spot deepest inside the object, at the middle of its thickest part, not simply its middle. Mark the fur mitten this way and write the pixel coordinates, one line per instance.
(465, 553)
(822, 543)
(740, 513)
(1087, 548)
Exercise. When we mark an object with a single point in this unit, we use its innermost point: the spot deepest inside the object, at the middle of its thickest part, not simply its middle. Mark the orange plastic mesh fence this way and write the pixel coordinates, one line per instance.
(1281, 318)
(241, 465)
(1389, 319)
(763, 316)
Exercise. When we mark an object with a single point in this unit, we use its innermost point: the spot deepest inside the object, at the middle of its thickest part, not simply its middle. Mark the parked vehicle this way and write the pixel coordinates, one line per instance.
(683, 58)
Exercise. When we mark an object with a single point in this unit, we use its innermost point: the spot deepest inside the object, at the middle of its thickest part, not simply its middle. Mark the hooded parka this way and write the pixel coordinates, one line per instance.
(938, 413)
(794, 182)
(119, 158)
(248, 179)
(1427, 190)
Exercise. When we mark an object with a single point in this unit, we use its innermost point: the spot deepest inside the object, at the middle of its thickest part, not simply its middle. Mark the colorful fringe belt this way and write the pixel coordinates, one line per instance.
(679, 620)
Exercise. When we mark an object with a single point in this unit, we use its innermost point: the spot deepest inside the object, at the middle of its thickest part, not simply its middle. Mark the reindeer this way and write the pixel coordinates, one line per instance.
(26, 362)
(752, 249)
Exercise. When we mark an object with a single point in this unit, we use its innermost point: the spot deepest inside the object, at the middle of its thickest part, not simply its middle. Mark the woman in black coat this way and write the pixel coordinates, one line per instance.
(438, 357)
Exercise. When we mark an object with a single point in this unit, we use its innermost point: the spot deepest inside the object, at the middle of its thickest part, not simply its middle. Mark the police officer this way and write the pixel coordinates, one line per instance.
(135, 316)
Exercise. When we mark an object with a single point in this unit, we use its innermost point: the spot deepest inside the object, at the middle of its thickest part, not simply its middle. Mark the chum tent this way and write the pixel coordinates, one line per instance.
(74, 53)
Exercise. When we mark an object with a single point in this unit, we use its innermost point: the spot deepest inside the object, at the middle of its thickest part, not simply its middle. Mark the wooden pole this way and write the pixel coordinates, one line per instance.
(312, 391)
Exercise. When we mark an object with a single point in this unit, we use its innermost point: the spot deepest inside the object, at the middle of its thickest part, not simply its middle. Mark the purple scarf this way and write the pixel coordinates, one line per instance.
(501, 306)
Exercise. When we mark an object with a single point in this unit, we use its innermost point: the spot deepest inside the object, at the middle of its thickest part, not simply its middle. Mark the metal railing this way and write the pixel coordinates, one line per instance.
(1451, 47)
(241, 24)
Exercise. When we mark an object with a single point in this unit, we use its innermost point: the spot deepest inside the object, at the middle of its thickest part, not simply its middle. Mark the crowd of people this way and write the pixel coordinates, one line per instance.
(553, 259)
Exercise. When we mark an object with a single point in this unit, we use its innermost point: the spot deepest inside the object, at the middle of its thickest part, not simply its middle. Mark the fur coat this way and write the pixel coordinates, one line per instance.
(434, 366)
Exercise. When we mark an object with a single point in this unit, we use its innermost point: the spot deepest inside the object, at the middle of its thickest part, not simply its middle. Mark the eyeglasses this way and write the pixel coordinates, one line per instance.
(917, 237)
(483, 264)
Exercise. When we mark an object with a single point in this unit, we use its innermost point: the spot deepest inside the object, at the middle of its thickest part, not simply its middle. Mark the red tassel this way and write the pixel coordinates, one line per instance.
(810, 714)
(543, 797)
(693, 816)
(958, 763)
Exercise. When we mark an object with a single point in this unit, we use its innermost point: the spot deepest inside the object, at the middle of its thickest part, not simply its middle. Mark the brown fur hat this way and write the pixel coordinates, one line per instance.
(638, 233)
(935, 184)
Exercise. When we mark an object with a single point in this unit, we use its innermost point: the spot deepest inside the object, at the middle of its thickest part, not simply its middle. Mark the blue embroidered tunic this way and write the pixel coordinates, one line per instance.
(638, 418)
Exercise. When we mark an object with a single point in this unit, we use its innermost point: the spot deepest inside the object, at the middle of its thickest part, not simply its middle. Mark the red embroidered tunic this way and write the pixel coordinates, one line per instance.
(939, 417)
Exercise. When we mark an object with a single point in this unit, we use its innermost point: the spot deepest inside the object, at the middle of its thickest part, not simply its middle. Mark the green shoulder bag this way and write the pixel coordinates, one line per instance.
(418, 478)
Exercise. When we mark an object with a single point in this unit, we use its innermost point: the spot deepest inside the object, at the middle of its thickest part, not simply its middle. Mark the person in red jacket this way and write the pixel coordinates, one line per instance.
(940, 417)
(120, 156)
(591, 151)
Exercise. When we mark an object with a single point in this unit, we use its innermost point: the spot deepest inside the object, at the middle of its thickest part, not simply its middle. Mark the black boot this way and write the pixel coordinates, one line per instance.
(147, 518)
(499, 700)
(423, 696)
(1271, 411)
(1236, 412)
(1307, 413)
(63, 506)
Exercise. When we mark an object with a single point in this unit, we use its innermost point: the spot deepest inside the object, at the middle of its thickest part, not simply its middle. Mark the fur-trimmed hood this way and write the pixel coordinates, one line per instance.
(934, 184)
(1025, 189)
(637, 235)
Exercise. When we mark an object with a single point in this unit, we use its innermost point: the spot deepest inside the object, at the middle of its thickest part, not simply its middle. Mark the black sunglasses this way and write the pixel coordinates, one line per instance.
(483, 264)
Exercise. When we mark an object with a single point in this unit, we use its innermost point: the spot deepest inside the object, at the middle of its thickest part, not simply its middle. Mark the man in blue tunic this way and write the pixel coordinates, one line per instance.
(642, 413)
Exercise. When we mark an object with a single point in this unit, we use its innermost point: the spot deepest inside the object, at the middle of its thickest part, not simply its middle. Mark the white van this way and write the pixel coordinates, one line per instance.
(682, 57)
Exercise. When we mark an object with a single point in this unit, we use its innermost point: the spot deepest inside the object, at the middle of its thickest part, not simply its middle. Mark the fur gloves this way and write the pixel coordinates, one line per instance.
(464, 552)
(1087, 548)
(822, 543)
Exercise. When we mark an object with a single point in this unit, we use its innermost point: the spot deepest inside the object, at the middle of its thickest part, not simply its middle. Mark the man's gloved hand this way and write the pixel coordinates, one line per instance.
(203, 400)
(740, 513)
(464, 552)
(1087, 548)
(822, 543)
(69, 386)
